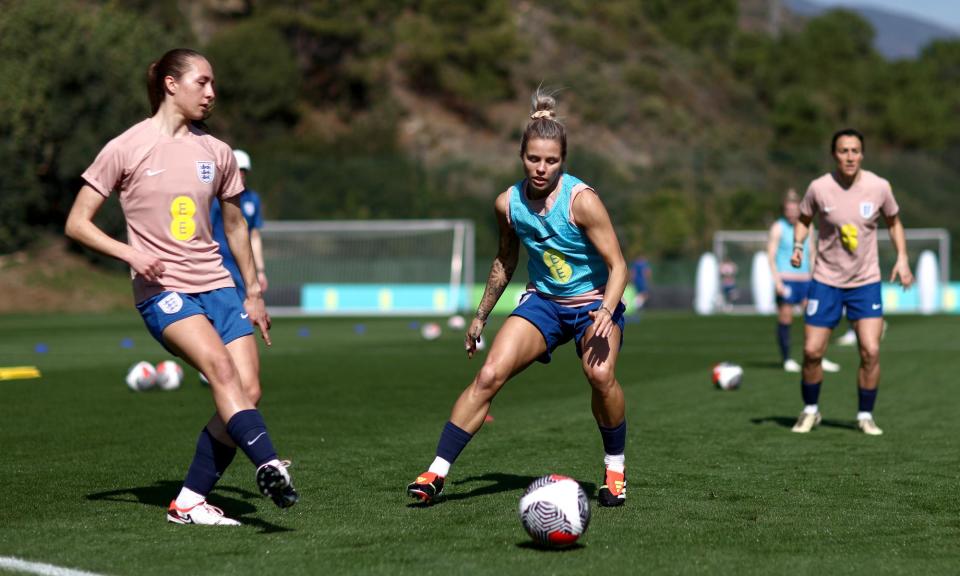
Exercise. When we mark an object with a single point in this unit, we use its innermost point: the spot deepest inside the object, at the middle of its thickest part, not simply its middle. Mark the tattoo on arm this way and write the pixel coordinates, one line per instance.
(501, 272)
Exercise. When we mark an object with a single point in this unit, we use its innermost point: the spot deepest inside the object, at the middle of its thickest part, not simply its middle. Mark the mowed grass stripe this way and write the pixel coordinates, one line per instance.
(718, 484)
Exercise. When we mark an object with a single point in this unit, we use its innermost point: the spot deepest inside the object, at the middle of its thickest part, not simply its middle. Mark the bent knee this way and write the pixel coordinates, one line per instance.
(870, 354)
(253, 391)
(601, 377)
(811, 353)
(489, 379)
(223, 372)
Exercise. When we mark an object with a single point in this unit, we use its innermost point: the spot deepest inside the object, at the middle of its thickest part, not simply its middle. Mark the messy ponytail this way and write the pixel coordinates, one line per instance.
(543, 122)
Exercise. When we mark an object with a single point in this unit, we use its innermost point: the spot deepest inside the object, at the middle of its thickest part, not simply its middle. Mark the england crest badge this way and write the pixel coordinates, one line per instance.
(206, 171)
(866, 209)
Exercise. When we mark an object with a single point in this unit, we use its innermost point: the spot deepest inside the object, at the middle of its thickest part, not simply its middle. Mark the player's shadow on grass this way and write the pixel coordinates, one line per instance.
(788, 422)
(527, 545)
(492, 483)
(159, 494)
(772, 364)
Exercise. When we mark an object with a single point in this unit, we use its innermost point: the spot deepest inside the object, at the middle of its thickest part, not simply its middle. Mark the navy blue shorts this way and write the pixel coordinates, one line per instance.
(795, 292)
(560, 324)
(222, 307)
(825, 303)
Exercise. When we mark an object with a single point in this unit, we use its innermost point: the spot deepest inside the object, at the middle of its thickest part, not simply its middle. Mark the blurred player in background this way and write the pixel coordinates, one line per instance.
(848, 204)
(640, 274)
(577, 278)
(166, 171)
(728, 282)
(791, 283)
(250, 206)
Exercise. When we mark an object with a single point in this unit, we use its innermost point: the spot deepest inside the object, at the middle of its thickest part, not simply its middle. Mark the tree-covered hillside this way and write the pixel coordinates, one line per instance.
(685, 120)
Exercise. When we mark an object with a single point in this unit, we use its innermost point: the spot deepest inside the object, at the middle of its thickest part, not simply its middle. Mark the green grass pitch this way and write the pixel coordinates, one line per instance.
(717, 482)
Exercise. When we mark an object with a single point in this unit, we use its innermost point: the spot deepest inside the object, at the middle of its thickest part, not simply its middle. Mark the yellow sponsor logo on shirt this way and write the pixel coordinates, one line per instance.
(183, 226)
(556, 262)
(848, 237)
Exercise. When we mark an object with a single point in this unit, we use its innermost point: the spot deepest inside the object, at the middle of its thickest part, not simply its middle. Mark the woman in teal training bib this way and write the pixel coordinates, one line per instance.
(577, 277)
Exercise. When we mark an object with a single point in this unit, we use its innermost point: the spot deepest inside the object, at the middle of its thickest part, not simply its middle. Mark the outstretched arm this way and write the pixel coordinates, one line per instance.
(504, 265)
(902, 266)
(592, 217)
(81, 228)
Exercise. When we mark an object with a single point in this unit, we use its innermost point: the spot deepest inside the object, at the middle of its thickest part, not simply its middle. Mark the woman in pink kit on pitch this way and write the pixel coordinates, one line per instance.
(166, 172)
(849, 204)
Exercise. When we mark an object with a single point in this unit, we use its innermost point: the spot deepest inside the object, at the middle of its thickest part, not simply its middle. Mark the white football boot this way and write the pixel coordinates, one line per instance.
(806, 422)
(829, 366)
(274, 481)
(868, 426)
(202, 514)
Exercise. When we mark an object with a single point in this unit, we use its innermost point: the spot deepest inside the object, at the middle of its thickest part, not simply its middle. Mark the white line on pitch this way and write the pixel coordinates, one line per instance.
(10, 563)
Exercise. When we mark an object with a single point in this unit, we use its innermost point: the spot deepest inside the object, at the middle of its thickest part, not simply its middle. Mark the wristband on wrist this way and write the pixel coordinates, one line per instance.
(797, 245)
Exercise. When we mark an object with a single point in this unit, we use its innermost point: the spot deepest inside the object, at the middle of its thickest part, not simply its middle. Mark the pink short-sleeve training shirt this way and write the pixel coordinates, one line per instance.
(848, 218)
(166, 185)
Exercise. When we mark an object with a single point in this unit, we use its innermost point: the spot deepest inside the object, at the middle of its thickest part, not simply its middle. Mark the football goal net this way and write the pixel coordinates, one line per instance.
(368, 267)
(736, 276)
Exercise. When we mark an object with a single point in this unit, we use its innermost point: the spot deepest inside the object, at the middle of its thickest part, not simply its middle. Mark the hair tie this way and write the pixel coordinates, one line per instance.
(541, 114)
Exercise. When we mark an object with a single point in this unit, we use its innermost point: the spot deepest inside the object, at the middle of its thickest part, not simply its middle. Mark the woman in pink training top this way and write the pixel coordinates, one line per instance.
(849, 204)
(166, 172)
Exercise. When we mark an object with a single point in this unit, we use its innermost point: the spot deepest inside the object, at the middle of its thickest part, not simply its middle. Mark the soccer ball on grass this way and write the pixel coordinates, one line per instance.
(169, 375)
(141, 376)
(727, 376)
(555, 511)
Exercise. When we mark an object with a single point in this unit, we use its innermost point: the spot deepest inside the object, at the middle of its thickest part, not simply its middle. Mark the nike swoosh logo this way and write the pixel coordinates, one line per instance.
(244, 315)
(545, 238)
(155, 172)
(828, 209)
(876, 306)
(250, 443)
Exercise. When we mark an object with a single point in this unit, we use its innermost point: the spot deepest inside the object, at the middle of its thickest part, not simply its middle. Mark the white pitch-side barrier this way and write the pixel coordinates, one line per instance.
(708, 284)
(928, 283)
(761, 284)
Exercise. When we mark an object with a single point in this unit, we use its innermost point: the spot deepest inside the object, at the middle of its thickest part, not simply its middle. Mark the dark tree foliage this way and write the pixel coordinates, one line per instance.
(73, 79)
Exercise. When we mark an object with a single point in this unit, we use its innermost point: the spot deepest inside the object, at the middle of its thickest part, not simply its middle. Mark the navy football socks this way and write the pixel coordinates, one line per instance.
(867, 398)
(810, 392)
(210, 461)
(249, 433)
(453, 440)
(614, 439)
(783, 338)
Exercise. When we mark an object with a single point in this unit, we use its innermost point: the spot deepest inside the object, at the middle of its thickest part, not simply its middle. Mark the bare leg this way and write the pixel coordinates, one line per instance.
(815, 341)
(599, 362)
(868, 336)
(516, 346)
(246, 358)
(195, 340)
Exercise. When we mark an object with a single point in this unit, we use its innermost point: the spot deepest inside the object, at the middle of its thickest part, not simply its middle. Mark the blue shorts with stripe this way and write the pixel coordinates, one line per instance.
(560, 324)
(222, 307)
(825, 303)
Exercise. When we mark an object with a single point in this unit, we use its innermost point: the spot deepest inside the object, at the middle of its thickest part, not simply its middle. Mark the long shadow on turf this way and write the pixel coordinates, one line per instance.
(541, 548)
(763, 364)
(160, 492)
(788, 422)
(495, 482)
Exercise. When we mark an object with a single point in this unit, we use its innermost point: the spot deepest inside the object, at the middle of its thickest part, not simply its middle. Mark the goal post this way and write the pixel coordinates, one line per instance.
(368, 267)
(744, 252)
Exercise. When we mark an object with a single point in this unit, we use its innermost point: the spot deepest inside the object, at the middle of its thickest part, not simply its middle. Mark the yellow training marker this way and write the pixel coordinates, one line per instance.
(19, 372)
